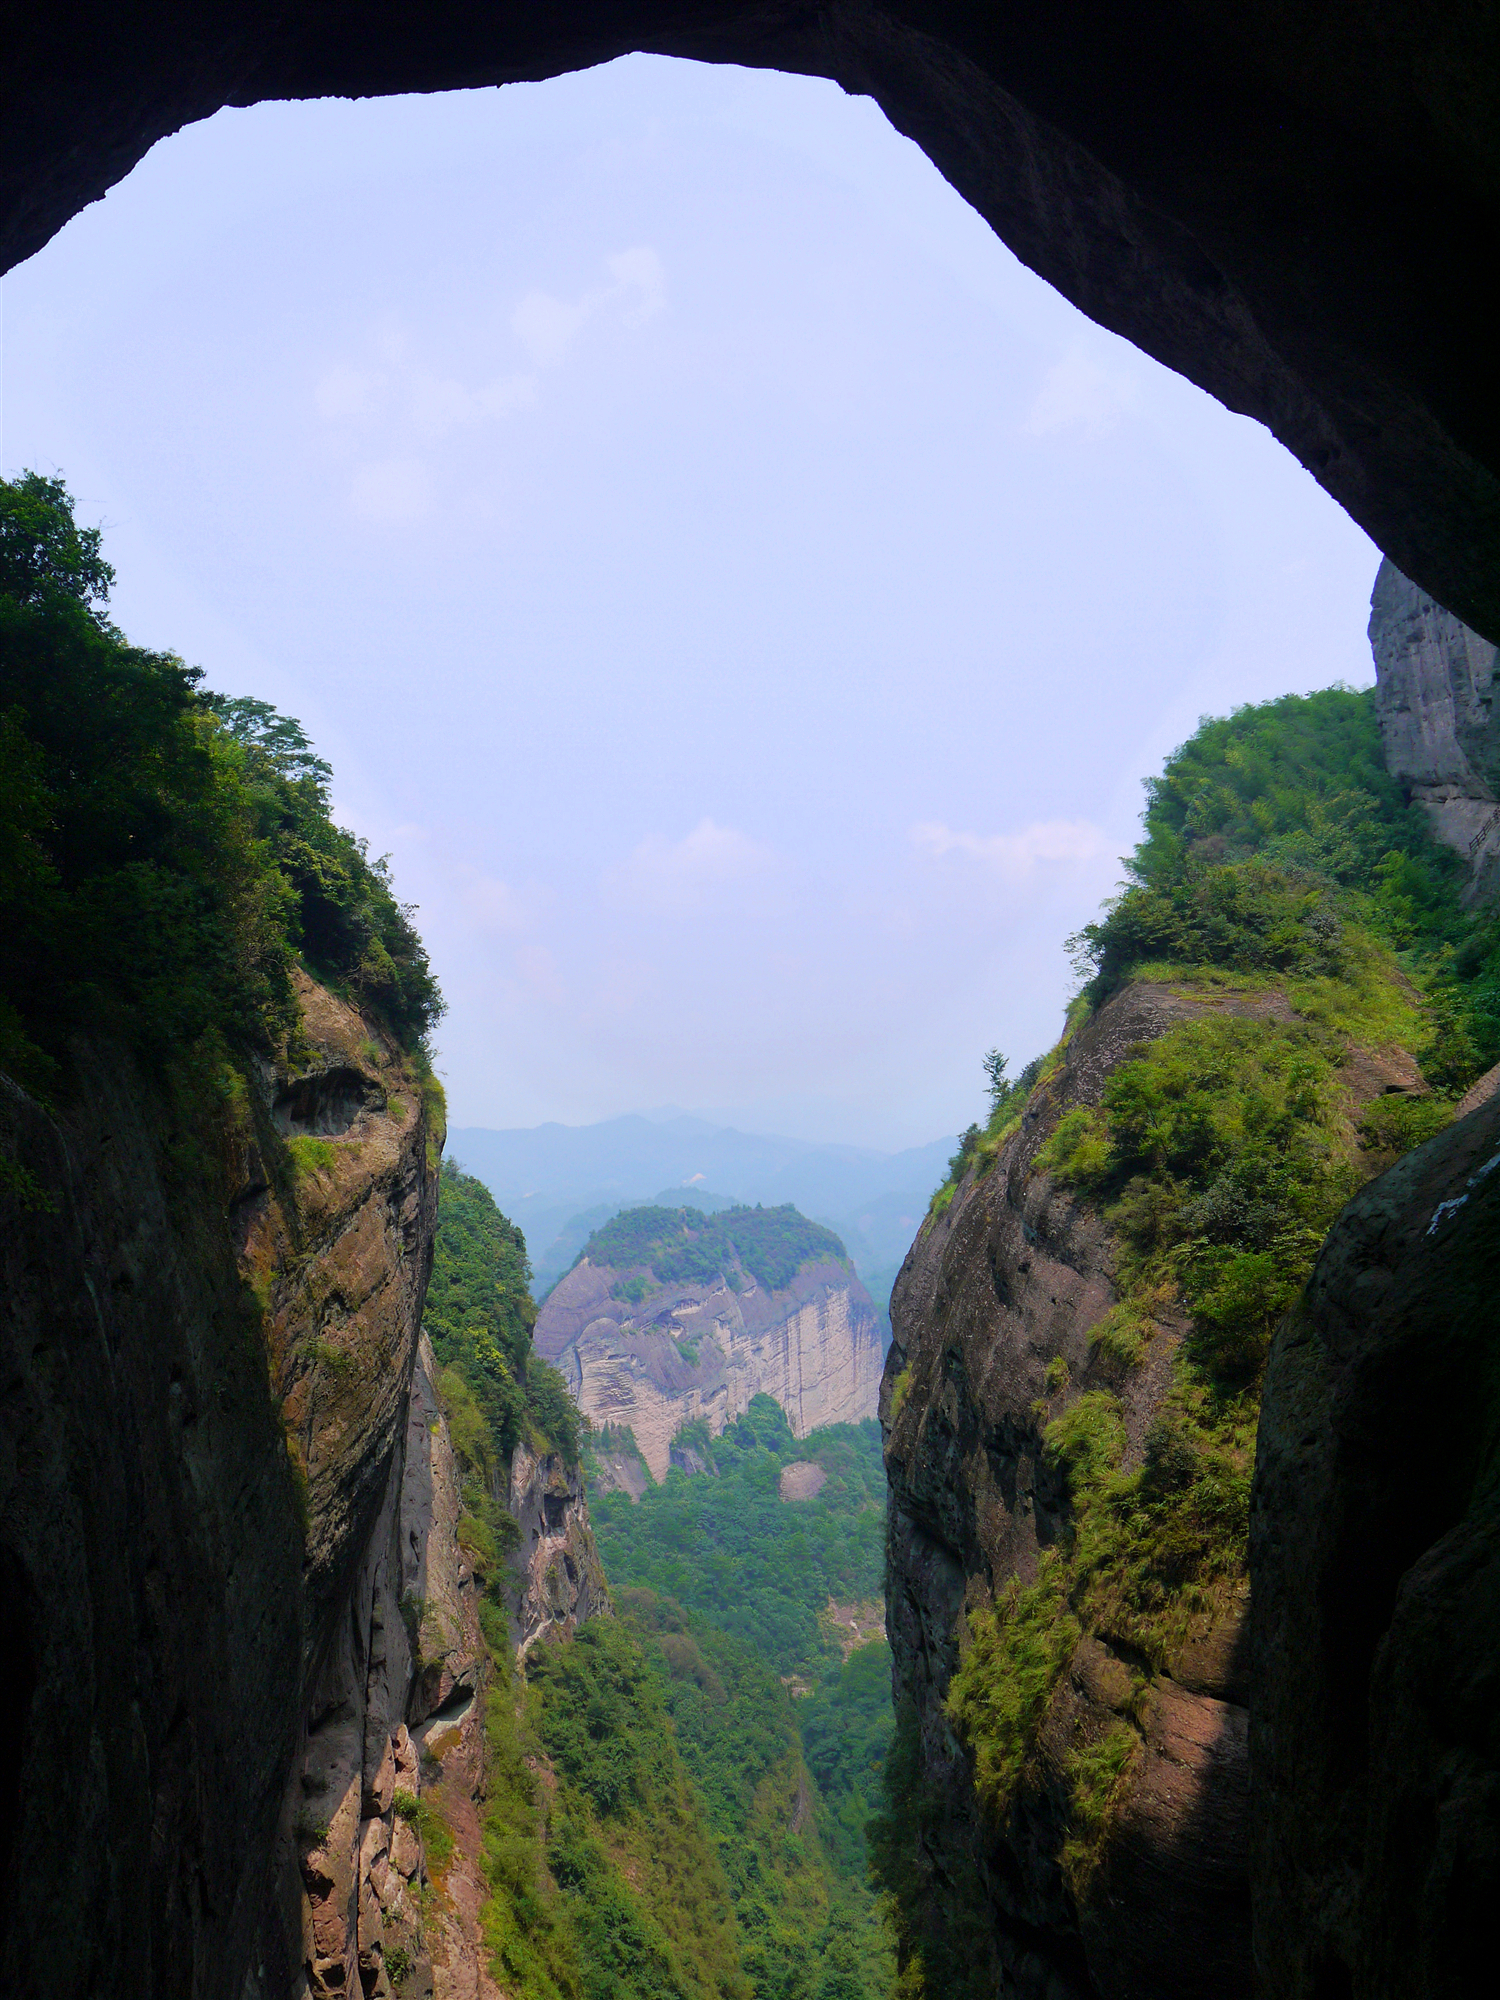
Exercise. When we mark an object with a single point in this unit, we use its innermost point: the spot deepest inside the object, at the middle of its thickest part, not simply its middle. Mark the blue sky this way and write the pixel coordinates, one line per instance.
(742, 599)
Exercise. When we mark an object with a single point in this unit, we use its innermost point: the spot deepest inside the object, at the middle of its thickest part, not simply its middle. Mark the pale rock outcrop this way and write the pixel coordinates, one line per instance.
(1435, 694)
(563, 1578)
(689, 1351)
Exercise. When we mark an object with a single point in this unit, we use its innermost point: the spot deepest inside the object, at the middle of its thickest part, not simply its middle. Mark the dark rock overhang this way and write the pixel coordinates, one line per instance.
(1292, 206)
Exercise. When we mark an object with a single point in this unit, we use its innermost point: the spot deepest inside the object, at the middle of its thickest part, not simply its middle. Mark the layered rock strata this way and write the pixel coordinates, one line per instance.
(1435, 693)
(1375, 1568)
(1011, 1278)
(690, 1351)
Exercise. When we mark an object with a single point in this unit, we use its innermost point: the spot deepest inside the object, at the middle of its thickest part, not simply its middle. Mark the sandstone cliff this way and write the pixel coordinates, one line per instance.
(998, 1315)
(212, 1313)
(685, 1350)
(1435, 695)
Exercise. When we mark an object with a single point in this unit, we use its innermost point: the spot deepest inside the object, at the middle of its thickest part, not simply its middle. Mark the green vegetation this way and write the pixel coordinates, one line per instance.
(737, 1734)
(649, 1828)
(730, 1550)
(749, 1577)
(683, 1246)
(1277, 843)
(165, 856)
(1280, 871)
(480, 1317)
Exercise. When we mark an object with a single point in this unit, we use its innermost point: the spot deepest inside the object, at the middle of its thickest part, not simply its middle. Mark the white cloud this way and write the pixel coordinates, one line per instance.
(492, 904)
(440, 406)
(546, 326)
(639, 271)
(348, 392)
(1016, 856)
(391, 489)
(676, 876)
(1076, 394)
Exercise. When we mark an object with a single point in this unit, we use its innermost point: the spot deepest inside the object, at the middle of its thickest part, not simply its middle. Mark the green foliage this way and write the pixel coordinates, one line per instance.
(730, 1550)
(940, 1922)
(149, 854)
(647, 1896)
(803, 1925)
(683, 1246)
(1279, 860)
(480, 1316)
(1015, 1655)
(1276, 842)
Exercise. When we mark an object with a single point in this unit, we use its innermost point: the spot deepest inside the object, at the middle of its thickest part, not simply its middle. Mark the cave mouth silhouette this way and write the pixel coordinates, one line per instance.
(1282, 205)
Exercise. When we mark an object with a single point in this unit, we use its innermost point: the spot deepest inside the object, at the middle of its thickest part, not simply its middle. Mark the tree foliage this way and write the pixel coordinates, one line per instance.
(480, 1316)
(685, 1246)
(160, 872)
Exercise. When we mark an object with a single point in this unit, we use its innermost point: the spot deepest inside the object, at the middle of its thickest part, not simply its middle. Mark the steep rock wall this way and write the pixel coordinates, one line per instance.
(1435, 694)
(1375, 1568)
(992, 1316)
(209, 1332)
(396, 1731)
(1014, 1274)
(813, 1346)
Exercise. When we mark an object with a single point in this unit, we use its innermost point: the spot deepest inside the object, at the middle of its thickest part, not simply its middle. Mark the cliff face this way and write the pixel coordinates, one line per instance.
(395, 1738)
(1435, 695)
(993, 1315)
(1375, 1560)
(211, 1322)
(686, 1351)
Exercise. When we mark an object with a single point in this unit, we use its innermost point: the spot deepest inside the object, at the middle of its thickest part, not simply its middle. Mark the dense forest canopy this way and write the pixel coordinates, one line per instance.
(684, 1246)
(166, 855)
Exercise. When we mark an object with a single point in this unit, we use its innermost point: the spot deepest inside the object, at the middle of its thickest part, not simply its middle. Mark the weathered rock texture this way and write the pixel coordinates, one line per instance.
(208, 1340)
(690, 1351)
(1259, 196)
(1375, 1567)
(1435, 694)
(1013, 1275)
(397, 1720)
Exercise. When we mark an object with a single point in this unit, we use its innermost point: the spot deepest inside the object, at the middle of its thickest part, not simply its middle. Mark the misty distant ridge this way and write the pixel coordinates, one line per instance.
(561, 1181)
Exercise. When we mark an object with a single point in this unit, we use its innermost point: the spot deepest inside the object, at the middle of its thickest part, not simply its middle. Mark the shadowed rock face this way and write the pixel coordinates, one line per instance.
(1293, 207)
(1014, 1274)
(1435, 692)
(1375, 1567)
(206, 1350)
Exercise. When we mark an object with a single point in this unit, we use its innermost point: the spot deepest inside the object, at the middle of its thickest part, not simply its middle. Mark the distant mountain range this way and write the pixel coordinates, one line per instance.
(559, 1182)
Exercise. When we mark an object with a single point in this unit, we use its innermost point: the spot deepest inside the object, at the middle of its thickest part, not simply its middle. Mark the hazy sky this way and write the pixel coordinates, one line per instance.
(741, 598)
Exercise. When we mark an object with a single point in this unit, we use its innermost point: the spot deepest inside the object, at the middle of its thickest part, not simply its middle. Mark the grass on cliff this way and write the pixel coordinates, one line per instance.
(1278, 857)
